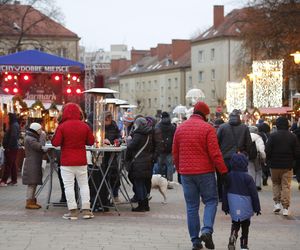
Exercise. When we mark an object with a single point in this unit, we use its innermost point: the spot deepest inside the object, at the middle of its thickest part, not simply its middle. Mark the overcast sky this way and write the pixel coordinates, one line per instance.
(138, 23)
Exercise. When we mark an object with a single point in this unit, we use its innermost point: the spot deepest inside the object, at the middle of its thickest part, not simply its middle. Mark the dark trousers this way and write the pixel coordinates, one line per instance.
(140, 188)
(10, 168)
(236, 225)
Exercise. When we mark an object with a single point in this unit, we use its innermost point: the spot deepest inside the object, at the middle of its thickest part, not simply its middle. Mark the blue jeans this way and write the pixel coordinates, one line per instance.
(194, 187)
(165, 166)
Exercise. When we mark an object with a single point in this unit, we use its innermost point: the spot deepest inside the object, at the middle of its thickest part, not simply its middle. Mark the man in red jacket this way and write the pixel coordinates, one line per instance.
(196, 153)
(72, 135)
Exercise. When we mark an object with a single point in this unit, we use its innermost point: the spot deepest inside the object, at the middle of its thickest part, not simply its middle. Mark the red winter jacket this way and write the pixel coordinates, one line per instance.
(196, 149)
(72, 135)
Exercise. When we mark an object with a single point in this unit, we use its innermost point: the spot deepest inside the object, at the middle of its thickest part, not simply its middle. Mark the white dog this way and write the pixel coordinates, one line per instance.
(161, 183)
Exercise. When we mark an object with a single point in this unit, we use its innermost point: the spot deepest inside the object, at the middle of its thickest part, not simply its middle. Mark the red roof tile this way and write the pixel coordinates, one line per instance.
(231, 26)
(11, 18)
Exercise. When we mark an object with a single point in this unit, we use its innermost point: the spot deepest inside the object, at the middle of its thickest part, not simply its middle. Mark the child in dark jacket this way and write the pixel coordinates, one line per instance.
(240, 200)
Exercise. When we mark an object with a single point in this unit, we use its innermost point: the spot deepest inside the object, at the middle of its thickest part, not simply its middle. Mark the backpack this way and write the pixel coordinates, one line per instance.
(252, 151)
(167, 139)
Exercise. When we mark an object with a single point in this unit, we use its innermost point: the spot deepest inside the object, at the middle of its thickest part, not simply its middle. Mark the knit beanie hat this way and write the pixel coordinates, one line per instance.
(202, 108)
(140, 123)
(35, 126)
(165, 115)
(239, 161)
(129, 117)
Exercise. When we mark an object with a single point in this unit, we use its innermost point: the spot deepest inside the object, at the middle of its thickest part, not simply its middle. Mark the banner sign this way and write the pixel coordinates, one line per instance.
(34, 69)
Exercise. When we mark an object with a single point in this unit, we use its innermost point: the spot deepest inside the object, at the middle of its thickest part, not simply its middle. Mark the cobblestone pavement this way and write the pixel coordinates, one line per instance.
(163, 228)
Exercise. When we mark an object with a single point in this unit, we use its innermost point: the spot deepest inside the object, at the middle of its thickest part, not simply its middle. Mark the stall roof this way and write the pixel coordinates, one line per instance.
(36, 58)
(275, 111)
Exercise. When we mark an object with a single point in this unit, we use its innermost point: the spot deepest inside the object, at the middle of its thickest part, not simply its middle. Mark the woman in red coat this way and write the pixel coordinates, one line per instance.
(72, 135)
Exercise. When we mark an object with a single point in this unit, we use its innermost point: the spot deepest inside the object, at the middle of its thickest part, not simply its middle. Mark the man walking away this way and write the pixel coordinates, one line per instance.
(282, 149)
(196, 153)
(164, 133)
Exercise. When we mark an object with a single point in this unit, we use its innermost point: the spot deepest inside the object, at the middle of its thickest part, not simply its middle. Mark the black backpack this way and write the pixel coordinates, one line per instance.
(252, 151)
(167, 139)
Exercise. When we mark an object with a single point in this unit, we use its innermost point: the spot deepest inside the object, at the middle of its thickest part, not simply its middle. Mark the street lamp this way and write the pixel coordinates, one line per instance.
(296, 56)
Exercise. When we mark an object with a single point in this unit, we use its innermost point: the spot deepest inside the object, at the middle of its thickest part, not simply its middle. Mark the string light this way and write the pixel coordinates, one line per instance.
(236, 95)
(267, 83)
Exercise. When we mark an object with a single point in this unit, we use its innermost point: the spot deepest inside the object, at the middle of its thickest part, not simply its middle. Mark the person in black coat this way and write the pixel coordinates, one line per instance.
(282, 149)
(11, 145)
(140, 154)
(296, 131)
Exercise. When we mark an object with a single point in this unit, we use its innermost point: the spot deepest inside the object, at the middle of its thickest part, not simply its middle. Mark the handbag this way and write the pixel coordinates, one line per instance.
(128, 165)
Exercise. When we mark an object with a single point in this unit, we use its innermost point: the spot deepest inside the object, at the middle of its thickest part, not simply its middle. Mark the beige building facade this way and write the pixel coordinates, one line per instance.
(155, 92)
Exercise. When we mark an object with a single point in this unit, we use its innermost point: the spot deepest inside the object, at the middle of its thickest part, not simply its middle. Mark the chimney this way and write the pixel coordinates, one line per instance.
(163, 50)
(137, 55)
(218, 15)
(153, 51)
(179, 48)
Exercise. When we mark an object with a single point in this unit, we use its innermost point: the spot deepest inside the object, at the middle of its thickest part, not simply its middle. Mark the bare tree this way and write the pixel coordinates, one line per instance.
(270, 29)
(18, 21)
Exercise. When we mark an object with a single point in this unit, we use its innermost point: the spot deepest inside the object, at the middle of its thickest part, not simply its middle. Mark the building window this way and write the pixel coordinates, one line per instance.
(149, 85)
(212, 54)
(176, 101)
(213, 75)
(176, 83)
(190, 83)
(155, 84)
(149, 102)
(213, 94)
(144, 86)
(200, 56)
(169, 100)
(63, 52)
(169, 83)
(200, 76)
(155, 102)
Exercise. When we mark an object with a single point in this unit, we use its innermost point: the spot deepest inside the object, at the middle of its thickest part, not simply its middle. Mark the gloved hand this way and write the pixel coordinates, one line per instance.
(258, 213)
(224, 179)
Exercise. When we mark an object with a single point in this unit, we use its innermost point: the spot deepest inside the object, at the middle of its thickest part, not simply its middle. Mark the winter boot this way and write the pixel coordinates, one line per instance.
(140, 207)
(207, 239)
(244, 243)
(30, 204)
(36, 203)
(232, 240)
(146, 203)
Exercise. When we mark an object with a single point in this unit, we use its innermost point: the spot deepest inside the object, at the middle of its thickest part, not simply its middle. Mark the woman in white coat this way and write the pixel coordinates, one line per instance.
(254, 167)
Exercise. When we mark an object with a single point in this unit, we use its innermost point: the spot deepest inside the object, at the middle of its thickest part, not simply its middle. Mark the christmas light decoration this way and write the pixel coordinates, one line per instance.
(267, 83)
(236, 95)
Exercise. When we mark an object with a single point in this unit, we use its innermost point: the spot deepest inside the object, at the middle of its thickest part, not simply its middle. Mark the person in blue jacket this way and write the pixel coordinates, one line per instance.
(240, 199)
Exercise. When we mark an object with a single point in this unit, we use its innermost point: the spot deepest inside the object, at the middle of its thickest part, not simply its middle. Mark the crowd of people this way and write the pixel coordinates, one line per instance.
(216, 161)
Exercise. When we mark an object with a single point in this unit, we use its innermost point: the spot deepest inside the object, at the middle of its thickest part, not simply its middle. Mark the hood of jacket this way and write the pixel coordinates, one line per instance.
(33, 133)
(282, 123)
(234, 120)
(239, 162)
(71, 111)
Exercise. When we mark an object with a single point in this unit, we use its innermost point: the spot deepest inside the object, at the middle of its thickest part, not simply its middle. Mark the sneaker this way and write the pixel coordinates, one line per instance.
(207, 238)
(277, 208)
(87, 214)
(72, 215)
(12, 183)
(3, 184)
(197, 246)
(232, 241)
(285, 212)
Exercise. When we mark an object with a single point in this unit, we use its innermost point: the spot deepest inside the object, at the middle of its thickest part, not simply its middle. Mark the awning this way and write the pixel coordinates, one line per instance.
(275, 111)
(38, 62)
